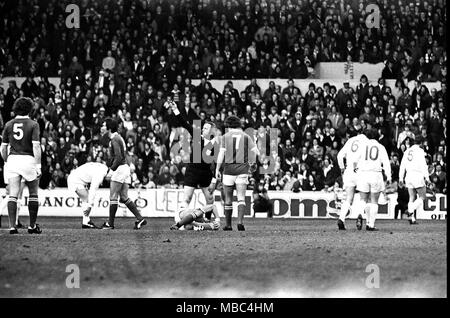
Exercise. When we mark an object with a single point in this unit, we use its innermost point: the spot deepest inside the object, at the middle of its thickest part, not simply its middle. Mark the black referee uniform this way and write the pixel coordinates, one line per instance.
(198, 172)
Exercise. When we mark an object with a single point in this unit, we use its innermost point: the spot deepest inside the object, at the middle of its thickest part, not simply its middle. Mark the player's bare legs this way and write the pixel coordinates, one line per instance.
(414, 204)
(83, 194)
(228, 206)
(350, 193)
(240, 190)
(373, 208)
(131, 206)
(209, 199)
(364, 197)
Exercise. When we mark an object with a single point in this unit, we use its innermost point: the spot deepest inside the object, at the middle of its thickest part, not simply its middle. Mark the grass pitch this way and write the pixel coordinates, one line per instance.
(272, 258)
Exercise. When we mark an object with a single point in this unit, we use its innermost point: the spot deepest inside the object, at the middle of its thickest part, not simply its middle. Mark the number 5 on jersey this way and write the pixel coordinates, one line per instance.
(18, 131)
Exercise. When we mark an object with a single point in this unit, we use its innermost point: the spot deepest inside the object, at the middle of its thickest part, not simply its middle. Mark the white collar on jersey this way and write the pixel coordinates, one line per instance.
(22, 117)
(114, 134)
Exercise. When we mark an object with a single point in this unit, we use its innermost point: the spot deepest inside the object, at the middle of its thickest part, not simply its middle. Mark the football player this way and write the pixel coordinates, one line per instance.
(199, 171)
(85, 181)
(195, 219)
(414, 174)
(349, 177)
(238, 154)
(21, 150)
(120, 176)
(372, 160)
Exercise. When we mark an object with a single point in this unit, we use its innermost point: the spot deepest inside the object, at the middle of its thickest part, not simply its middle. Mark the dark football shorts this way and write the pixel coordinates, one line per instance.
(197, 177)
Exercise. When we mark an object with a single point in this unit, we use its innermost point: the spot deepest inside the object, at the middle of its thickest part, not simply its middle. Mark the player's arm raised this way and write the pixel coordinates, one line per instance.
(181, 122)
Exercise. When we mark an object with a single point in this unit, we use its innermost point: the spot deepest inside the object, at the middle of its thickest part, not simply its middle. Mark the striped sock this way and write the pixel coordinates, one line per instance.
(113, 204)
(33, 207)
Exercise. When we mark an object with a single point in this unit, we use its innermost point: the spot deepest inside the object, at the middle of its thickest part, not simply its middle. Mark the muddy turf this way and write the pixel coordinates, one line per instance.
(272, 258)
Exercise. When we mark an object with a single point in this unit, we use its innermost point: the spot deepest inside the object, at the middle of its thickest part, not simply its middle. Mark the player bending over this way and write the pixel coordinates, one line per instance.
(199, 173)
(195, 219)
(85, 181)
(120, 177)
(23, 161)
(414, 165)
(349, 177)
(237, 154)
(372, 159)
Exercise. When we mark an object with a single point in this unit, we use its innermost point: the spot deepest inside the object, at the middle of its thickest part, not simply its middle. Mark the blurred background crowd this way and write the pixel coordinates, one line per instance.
(128, 57)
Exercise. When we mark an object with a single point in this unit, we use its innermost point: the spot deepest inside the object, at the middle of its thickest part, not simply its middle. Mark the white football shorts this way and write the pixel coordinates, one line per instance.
(414, 180)
(20, 165)
(349, 179)
(122, 174)
(370, 181)
(74, 183)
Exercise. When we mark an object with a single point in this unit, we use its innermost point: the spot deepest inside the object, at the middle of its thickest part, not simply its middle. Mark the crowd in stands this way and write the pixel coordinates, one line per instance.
(128, 57)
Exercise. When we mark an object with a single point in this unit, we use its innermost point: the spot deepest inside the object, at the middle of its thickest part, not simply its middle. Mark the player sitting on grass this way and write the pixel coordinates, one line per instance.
(195, 219)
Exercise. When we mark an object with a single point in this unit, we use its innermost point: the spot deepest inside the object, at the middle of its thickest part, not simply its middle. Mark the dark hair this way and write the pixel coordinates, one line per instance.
(232, 122)
(112, 124)
(371, 133)
(23, 106)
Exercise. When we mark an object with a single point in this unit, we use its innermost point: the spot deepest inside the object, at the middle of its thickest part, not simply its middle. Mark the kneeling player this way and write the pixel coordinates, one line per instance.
(194, 219)
(415, 167)
(91, 173)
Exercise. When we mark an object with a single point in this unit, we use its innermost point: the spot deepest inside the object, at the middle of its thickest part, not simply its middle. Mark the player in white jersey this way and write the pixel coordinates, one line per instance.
(349, 176)
(414, 174)
(372, 160)
(194, 219)
(91, 175)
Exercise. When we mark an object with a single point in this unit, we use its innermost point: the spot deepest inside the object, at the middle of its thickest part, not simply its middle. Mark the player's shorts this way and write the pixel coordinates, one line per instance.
(370, 181)
(21, 165)
(122, 174)
(231, 180)
(414, 180)
(350, 178)
(197, 177)
(74, 183)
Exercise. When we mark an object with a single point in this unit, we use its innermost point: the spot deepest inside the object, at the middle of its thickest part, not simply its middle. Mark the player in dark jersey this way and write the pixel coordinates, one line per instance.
(199, 171)
(21, 151)
(120, 178)
(238, 155)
